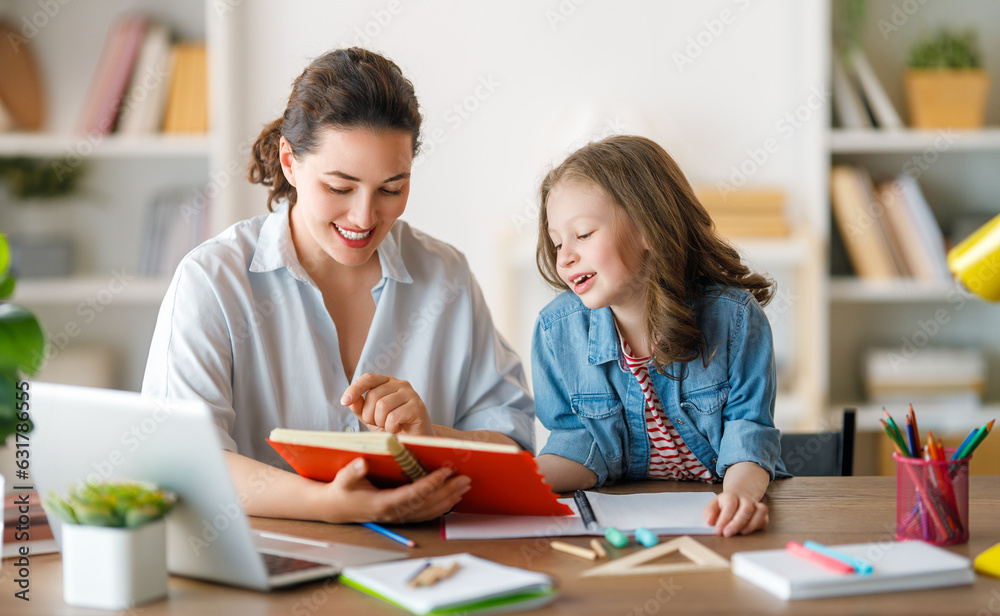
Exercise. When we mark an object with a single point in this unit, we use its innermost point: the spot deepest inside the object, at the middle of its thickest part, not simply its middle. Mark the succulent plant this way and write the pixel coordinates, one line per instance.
(116, 504)
(947, 50)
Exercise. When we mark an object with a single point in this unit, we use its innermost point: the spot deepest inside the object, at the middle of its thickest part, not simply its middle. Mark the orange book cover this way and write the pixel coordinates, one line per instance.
(505, 479)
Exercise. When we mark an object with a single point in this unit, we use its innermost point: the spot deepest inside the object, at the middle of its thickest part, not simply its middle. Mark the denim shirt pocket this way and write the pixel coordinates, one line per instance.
(602, 416)
(705, 401)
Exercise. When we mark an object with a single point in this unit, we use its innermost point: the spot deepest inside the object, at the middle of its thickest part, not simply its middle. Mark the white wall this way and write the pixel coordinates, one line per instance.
(712, 81)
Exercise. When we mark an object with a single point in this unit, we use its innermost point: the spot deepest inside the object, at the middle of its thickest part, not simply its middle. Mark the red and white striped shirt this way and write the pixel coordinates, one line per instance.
(669, 457)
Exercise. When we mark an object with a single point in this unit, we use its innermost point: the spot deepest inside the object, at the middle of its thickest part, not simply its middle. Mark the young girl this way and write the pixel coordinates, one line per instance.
(328, 313)
(657, 361)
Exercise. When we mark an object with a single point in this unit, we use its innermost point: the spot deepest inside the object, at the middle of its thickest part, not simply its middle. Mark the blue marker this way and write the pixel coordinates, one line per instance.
(646, 537)
(862, 567)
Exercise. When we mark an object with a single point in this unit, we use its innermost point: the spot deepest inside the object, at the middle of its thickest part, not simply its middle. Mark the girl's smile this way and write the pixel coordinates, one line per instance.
(581, 224)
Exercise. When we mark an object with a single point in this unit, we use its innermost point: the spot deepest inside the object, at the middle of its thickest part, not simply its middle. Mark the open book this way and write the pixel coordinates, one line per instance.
(505, 478)
(663, 513)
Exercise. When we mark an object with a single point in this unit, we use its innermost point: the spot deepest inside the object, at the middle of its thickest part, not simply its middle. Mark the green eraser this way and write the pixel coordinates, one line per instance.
(616, 537)
(646, 537)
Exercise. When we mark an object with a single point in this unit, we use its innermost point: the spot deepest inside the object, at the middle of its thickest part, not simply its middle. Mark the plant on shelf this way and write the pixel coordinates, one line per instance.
(22, 348)
(946, 86)
(114, 543)
(947, 50)
(35, 178)
(848, 25)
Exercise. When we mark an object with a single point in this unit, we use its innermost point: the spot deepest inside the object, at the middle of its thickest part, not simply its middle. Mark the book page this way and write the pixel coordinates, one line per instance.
(455, 443)
(365, 442)
(668, 512)
(477, 526)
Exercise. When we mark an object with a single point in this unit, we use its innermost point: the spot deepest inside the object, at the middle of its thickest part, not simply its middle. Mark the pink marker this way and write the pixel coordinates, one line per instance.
(837, 566)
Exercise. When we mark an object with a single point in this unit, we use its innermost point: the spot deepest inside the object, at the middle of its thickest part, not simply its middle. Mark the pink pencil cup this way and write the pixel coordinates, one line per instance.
(932, 499)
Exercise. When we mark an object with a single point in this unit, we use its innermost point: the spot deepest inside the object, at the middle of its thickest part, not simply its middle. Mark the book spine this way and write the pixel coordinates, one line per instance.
(407, 461)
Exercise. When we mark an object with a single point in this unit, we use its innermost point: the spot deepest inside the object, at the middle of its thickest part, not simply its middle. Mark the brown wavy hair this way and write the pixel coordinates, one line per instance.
(651, 195)
(343, 89)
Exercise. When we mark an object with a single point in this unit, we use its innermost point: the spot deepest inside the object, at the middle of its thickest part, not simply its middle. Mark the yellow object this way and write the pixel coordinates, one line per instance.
(988, 563)
(976, 261)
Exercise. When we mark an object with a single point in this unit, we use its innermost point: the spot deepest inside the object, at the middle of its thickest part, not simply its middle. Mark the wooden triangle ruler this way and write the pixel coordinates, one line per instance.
(702, 559)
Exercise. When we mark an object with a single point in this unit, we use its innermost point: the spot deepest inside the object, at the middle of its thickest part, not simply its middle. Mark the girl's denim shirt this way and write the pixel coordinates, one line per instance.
(596, 411)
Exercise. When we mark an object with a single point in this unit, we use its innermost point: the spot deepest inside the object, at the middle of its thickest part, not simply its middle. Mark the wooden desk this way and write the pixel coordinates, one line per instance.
(829, 510)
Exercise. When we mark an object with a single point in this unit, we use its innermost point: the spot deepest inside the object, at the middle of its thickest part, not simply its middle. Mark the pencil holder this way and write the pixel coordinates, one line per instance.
(932, 499)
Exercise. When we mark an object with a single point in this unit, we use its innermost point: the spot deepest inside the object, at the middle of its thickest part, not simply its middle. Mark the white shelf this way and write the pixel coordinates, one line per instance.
(903, 141)
(106, 146)
(791, 250)
(106, 290)
(852, 290)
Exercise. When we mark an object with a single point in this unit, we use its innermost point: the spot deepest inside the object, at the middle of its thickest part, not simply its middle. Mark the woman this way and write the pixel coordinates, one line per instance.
(311, 317)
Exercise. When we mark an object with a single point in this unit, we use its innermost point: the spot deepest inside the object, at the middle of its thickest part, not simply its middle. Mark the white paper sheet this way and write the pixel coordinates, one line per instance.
(665, 513)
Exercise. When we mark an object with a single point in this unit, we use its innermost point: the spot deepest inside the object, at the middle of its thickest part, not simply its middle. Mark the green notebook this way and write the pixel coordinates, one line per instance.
(479, 586)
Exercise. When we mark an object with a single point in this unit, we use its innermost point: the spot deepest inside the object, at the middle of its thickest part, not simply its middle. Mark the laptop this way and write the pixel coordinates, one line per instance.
(86, 434)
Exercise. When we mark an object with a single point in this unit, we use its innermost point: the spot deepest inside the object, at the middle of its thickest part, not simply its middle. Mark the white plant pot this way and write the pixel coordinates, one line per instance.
(114, 568)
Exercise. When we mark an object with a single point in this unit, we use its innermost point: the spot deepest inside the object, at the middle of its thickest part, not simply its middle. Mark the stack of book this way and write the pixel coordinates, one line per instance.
(889, 230)
(859, 100)
(756, 212)
(926, 376)
(175, 224)
(32, 531)
(145, 84)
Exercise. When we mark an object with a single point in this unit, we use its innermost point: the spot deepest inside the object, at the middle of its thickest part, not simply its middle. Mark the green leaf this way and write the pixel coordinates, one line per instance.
(7, 284)
(96, 515)
(57, 506)
(8, 404)
(141, 515)
(4, 254)
(22, 341)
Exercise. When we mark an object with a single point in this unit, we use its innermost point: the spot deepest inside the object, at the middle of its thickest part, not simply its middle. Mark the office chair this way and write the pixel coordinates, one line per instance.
(821, 454)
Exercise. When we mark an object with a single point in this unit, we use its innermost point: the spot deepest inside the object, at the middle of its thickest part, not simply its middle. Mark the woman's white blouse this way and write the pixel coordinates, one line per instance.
(243, 328)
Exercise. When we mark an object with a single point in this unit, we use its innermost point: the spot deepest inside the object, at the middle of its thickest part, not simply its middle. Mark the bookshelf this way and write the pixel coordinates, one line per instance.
(844, 141)
(106, 218)
(111, 146)
(957, 173)
(844, 289)
(144, 291)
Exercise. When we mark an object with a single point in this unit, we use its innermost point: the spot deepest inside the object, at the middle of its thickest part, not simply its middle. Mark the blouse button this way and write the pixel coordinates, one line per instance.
(349, 429)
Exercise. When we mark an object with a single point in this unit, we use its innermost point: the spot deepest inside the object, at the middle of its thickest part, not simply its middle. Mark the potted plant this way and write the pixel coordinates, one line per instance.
(946, 86)
(40, 188)
(114, 543)
(22, 348)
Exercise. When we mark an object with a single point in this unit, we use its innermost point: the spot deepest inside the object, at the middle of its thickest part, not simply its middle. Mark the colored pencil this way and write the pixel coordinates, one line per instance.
(896, 431)
(892, 437)
(911, 434)
(968, 439)
(410, 543)
(980, 436)
(916, 432)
